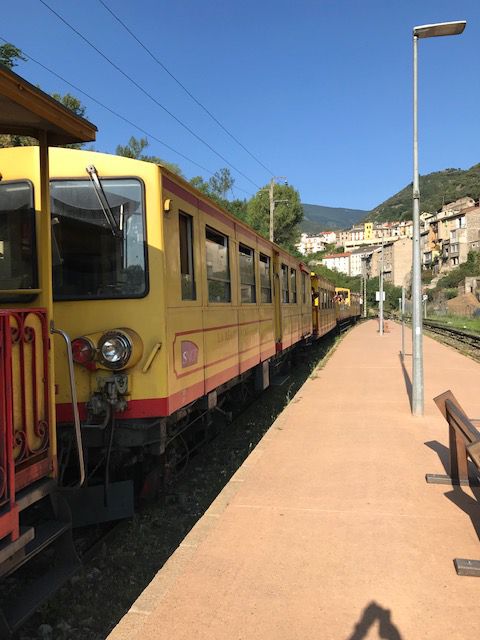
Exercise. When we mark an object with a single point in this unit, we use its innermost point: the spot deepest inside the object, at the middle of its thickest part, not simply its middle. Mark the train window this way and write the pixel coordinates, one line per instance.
(95, 256)
(218, 266)
(247, 274)
(304, 287)
(293, 285)
(185, 228)
(18, 258)
(265, 279)
(284, 283)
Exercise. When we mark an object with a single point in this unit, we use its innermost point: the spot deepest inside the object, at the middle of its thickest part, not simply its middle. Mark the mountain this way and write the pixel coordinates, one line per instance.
(436, 189)
(318, 218)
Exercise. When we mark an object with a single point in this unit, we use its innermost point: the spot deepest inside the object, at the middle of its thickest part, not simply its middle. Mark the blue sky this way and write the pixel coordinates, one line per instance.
(319, 91)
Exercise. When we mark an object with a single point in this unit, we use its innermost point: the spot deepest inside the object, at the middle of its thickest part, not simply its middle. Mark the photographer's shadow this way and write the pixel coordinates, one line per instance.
(372, 614)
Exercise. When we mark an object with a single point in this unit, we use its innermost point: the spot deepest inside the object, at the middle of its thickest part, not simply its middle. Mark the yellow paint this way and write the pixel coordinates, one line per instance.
(186, 343)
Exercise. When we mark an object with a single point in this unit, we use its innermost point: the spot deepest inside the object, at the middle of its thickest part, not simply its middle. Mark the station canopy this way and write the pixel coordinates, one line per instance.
(26, 110)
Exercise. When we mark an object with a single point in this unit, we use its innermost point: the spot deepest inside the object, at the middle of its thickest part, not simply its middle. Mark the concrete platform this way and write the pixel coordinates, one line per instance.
(329, 530)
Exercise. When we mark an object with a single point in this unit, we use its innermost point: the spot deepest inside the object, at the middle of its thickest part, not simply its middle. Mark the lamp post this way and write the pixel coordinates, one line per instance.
(423, 31)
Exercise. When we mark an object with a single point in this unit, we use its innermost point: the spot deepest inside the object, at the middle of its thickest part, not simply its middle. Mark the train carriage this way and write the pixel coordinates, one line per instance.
(165, 305)
(32, 516)
(170, 302)
(324, 317)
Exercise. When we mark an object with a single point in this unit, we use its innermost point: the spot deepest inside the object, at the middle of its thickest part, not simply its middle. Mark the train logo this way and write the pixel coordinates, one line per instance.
(189, 353)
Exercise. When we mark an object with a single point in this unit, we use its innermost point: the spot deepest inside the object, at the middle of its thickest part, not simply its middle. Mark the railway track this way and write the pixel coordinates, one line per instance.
(469, 339)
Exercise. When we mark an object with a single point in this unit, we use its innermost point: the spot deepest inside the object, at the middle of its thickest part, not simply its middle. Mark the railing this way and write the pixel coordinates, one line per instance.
(6, 452)
(25, 403)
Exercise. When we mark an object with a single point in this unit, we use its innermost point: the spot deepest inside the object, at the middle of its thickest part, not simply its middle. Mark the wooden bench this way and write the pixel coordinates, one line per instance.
(464, 443)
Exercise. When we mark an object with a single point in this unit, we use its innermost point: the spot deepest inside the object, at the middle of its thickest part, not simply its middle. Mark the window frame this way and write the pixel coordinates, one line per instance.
(29, 295)
(293, 290)
(269, 288)
(190, 253)
(285, 291)
(145, 293)
(208, 229)
(253, 287)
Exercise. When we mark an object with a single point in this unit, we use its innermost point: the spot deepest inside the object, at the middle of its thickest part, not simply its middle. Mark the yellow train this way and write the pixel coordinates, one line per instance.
(169, 301)
(131, 307)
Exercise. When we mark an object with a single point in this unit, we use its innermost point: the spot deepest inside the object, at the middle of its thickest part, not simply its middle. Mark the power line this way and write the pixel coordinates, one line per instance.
(145, 92)
(180, 84)
(118, 115)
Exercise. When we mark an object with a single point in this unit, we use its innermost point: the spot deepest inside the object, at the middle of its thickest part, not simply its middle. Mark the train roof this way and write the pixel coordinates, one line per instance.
(184, 184)
(26, 110)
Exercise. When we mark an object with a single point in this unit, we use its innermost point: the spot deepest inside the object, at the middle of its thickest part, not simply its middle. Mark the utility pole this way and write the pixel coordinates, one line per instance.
(273, 202)
(272, 207)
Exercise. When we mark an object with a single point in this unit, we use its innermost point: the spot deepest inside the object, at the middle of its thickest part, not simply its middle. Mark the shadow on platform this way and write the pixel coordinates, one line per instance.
(467, 504)
(372, 614)
(462, 500)
(406, 377)
(443, 454)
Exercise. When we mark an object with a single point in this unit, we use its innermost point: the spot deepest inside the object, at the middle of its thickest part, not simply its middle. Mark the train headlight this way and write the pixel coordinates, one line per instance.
(115, 349)
(83, 351)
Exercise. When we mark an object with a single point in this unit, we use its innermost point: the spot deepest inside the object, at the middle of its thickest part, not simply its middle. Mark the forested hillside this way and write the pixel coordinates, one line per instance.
(436, 189)
(318, 218)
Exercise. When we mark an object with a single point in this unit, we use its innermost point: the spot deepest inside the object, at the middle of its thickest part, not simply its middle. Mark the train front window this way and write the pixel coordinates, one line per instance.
(18, 259)
(89, 259)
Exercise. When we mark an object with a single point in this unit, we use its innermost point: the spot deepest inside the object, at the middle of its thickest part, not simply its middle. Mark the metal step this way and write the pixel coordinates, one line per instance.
(34, 493)
(63, 566)
(8, 548)
(33, 596)
(39, 538)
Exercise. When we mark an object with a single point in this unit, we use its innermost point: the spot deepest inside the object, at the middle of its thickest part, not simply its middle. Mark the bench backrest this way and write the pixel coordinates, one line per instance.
(457, 420)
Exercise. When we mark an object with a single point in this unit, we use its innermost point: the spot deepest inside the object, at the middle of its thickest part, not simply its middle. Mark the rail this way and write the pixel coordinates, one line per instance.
(466, 337)
(464, 443)
(73, 392)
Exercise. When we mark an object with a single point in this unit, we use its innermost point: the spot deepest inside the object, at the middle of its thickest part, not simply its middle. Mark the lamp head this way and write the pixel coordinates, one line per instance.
(439, 29)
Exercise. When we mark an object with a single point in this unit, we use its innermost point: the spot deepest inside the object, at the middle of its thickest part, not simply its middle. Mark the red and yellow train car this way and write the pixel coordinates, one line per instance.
(324, 317)
(196, 296)
(130, 306)
(169, 301)
(32, 515)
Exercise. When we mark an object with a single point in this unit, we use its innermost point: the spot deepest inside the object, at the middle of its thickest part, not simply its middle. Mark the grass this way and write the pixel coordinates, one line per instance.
(458, 322)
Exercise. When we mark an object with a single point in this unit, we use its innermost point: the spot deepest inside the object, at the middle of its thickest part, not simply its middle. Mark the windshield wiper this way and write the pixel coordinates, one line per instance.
(102, 199)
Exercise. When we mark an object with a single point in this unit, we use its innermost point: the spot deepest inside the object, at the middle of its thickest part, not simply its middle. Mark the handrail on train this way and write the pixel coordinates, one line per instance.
(73, 392)
(464, 444)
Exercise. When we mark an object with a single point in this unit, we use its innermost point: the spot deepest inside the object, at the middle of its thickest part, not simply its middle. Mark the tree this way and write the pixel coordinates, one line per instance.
(392, 294)
(10, 55)
(217, 188)
(287, 216)
(221, 182)
(72, 103)
(134, 149)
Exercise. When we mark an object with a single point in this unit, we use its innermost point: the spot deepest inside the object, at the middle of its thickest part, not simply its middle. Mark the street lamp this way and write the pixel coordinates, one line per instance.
(423, 31)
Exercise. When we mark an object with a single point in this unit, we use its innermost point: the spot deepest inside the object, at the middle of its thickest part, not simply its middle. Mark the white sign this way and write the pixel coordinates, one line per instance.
(377, 296)
(424, 297)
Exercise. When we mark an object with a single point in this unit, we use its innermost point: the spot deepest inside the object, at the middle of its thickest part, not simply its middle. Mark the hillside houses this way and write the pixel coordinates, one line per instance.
(446, 238)
(449, 234)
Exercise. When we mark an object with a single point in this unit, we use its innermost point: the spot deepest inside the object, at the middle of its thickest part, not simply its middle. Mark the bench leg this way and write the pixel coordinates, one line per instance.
(467, 567)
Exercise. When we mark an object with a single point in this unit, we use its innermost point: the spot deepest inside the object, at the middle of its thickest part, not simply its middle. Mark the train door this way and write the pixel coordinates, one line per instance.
(277, 298)
(27, 424)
